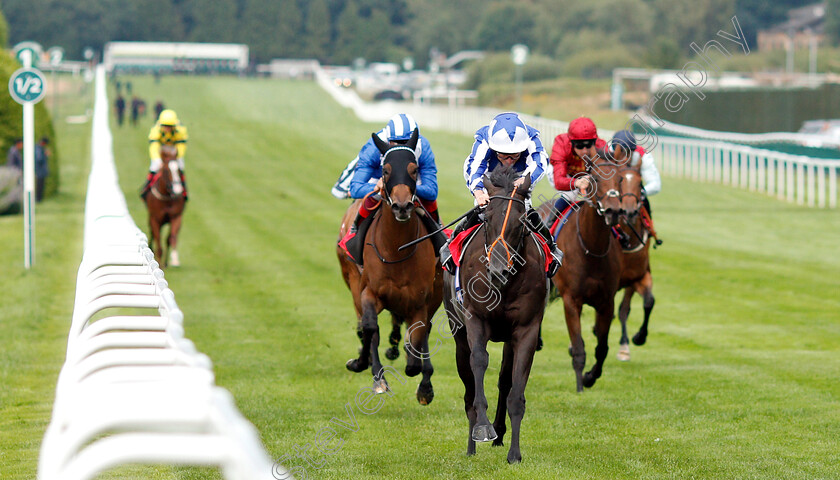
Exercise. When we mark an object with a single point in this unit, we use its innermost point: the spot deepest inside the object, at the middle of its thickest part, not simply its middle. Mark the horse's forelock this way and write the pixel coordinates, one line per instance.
(503, 178)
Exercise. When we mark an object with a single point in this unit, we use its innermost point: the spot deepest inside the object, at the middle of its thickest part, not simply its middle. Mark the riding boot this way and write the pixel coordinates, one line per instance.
(623, 238)
(354, 241)
(560, 205)
(184, 184)
(147, 186)
(537, 226)
(445, 254)
(647, 217)
(439, 239)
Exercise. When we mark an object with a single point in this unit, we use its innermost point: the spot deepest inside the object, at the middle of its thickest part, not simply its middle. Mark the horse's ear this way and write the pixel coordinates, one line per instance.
(488, 185)
(412, 142)
(381, 145)
(526, 185)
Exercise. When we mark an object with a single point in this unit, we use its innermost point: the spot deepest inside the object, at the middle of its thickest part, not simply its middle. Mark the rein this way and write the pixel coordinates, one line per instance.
(390, 262)
(160, 196)
(583, 245)
(501, 237)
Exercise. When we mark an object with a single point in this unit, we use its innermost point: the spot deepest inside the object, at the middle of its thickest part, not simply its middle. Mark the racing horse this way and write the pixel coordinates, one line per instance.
(635, 260)
(165, 203)
(502, 278)
(409, 283)
(591, 267)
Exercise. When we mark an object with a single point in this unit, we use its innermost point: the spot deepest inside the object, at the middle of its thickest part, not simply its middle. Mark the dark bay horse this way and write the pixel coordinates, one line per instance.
(591, 267)
(165, 203)
(408, 283)
(635, 259)
(503, 276)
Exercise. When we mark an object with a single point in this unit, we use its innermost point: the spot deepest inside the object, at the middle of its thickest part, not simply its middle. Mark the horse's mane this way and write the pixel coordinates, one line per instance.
(504, 178)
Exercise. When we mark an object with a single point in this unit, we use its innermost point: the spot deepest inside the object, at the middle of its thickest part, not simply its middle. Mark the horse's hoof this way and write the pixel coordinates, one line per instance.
(589, 379)
(380, 386)
(499, 442)
(173, 259)
(514, 457)
(624, 352)
(425, 397)
(354, 365)
(483, 433)
(639, 339)
(392, 353)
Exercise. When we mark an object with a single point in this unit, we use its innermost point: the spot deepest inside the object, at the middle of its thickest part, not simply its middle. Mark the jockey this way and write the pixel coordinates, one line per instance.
(568, 167)
(366, 177)
(624, 142)
(506, 141)
(166, 131)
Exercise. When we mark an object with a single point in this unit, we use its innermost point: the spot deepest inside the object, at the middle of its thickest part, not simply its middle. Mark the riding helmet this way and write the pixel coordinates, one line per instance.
(168, 117)
(582, 128)
(507, 133)
(626, 139)
(400, 126)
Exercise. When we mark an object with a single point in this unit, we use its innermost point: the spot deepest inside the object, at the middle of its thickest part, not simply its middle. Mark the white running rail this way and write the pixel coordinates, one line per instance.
(792, 178)
(132, 388)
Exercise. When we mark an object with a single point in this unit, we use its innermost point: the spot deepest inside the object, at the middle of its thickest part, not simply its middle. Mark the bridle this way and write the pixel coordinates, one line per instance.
(386, 198)
(501, 238)
(385, 192)
(598, 206)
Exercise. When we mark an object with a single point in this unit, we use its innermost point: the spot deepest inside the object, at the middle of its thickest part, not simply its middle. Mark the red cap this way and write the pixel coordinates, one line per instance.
(582, 128)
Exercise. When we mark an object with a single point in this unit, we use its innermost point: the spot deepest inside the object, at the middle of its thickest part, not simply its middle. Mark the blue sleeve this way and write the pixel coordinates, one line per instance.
(367, 168)
(477, 162)
(538, 160)
(427, 187)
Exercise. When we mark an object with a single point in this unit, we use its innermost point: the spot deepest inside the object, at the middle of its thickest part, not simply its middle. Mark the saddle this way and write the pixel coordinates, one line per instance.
(460, 242)
(562, 219)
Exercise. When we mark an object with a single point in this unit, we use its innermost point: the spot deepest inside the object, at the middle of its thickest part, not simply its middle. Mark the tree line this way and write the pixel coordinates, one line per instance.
(653, 33)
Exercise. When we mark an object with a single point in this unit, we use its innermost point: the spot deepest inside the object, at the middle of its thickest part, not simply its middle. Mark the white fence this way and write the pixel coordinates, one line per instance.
(793, 178)
(132, 388)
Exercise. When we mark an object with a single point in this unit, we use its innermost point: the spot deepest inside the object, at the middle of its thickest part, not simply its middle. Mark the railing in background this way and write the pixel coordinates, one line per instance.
(792, 178)
(132, 388)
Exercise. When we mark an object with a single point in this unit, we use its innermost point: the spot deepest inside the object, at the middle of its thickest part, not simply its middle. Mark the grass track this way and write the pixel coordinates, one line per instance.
(738, 379)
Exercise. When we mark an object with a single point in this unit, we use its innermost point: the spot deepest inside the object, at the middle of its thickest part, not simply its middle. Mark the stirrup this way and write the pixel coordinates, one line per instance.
(446, 260)
(556, 262)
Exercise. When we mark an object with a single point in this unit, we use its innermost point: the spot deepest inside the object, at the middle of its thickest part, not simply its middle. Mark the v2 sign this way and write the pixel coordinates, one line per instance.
(27, 85)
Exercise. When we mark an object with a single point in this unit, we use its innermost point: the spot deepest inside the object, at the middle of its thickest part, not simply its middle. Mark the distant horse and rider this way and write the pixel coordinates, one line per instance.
(165, 203)
(592, 266)
(408, 283)
(635, 261)
(498, 294)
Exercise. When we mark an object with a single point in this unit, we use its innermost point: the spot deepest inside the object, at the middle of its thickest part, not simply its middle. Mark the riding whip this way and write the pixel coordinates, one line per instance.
(453, 222)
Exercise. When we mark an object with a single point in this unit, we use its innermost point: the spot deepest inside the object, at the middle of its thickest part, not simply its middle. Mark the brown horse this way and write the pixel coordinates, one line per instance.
(503, 276)
(635, 261)
(165, 203)
(591, 267)
(409, 283)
